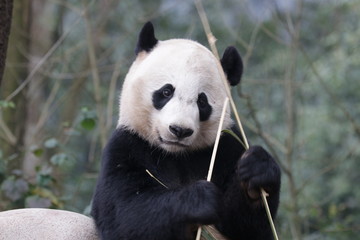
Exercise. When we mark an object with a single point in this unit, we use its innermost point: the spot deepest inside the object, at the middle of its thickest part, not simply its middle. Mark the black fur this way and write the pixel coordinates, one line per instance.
(232, 65)
(162, 96)
(205, 109)
(147, 40)
(130, 204)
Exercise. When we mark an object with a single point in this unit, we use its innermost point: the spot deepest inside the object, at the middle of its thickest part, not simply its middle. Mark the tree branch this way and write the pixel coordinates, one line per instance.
(96, 80)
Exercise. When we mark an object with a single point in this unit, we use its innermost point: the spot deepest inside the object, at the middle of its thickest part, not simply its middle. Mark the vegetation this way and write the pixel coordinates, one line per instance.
(299, 97)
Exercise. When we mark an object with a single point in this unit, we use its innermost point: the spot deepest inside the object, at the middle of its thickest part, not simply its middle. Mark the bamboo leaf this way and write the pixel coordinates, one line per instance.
(234, 135)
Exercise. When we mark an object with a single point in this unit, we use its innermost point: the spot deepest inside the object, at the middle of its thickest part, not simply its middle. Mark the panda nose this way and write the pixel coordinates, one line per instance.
(180, 132)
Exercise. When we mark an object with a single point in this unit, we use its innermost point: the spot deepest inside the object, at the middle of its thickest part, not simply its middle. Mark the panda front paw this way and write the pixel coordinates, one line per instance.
(205, 202)
(256, 169)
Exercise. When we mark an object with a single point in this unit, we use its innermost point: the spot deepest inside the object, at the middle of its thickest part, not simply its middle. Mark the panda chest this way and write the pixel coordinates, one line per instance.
(179, 172)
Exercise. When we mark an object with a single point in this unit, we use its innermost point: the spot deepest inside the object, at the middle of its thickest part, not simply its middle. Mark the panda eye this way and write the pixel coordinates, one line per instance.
(202, 101)
(204, 107)
(167, 92)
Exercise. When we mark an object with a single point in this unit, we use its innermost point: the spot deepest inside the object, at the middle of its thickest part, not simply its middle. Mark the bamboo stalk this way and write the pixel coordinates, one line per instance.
(263, 196)
(212, 162)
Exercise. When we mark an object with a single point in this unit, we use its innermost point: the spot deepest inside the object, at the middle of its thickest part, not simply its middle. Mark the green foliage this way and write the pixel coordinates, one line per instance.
(60, 159)
(43, 190)
(88, 119)
(38, 152)
(7, 104)
(51, 143)
(23, 193)
(14, 188)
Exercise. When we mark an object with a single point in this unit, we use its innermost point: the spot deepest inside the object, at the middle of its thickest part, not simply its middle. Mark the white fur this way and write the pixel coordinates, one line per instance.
(191, 69)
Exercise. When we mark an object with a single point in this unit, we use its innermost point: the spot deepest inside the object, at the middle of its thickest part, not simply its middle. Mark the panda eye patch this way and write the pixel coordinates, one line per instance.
(162, 96)
(202, 102)
(204, 107)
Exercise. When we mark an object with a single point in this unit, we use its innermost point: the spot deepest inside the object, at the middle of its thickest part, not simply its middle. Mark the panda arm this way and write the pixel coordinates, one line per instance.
(242, 214)
(140, 212)
(130, 203)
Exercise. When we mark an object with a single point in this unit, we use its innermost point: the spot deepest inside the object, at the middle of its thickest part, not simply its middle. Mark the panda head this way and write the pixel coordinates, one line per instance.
(173, 94)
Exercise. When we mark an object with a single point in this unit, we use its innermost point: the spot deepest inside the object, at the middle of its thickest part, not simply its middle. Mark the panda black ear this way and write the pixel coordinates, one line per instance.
(147, 40)
(232, 65)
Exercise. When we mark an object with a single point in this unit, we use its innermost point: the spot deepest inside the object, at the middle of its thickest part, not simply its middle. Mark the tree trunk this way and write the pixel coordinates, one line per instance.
(40, 42)
(15, 72)
(6, 7)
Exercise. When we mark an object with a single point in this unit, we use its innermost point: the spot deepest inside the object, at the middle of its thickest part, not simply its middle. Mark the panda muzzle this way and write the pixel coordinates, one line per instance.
(180, 132)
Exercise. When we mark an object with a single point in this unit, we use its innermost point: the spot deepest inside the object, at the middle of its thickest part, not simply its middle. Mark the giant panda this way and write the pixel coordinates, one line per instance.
(152, 181)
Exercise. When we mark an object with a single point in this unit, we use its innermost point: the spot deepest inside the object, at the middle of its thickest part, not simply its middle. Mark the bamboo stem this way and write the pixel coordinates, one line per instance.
(212, 162)
(273, 229)
(213, 156)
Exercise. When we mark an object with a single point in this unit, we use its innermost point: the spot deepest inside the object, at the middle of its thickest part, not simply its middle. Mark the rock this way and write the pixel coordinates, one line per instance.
(47, 224)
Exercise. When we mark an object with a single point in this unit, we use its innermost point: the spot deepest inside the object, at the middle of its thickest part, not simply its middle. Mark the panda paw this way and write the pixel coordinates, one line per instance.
(205, 198)
(256, 169)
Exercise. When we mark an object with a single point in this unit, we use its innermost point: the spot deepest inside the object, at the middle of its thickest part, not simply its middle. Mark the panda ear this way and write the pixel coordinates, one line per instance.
(232, 65)
(147, 40)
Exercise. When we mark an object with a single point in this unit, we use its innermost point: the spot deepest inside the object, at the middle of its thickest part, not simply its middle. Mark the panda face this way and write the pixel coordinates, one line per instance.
(173, 96)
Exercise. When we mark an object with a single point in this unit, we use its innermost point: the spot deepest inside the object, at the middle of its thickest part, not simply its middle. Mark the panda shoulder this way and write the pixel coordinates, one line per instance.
(122, 145)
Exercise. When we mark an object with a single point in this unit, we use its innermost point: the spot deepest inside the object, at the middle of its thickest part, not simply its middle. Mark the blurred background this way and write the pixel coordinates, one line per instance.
(299, 97)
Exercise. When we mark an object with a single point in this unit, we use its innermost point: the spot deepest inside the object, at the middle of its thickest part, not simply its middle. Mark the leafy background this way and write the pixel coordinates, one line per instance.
(299, 98)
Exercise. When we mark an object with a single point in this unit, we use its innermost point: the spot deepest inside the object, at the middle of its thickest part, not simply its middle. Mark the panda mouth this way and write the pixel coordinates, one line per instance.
(173, 143)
